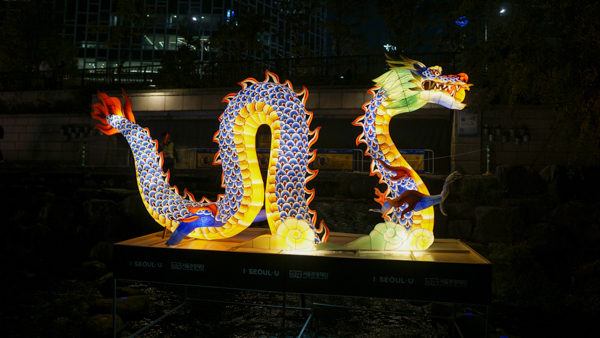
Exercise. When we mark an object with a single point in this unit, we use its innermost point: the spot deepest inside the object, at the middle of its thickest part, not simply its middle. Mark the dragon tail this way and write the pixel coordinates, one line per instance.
(162, 200)
(110, 106)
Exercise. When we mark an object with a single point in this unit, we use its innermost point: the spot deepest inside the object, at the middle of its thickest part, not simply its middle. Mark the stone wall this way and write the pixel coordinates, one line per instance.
(191, 117)
(541, 149)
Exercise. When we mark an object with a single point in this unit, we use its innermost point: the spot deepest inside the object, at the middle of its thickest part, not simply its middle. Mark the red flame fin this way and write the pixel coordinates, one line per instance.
(217, 158)
(289, 84)
(313, 219)
(189, 195)
(315, 137)
(373, 170)
(167, 175)
(372, 90)
(358, 121)
(313, 174)
(247, 82)
(303, 95)
(381, 196)
(360, 139)
(311, 195)
(273, 76)
(313, 156)
(365, 105)
(228, 97)
(309, 118)
(109, 105)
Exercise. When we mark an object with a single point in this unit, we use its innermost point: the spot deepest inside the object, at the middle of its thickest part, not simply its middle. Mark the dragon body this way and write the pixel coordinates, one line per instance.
(405, 203)
(283, 201)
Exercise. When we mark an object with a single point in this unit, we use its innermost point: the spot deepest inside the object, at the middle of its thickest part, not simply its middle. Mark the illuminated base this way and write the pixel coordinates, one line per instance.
(449, 271)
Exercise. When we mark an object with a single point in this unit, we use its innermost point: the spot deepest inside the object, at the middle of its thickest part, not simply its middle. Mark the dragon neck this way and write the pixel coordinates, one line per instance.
(381, 147)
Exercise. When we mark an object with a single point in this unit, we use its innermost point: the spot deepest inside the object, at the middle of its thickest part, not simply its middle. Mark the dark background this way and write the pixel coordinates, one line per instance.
(536, 219)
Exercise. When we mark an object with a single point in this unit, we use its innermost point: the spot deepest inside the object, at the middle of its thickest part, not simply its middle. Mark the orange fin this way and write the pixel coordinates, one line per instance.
(109, 105)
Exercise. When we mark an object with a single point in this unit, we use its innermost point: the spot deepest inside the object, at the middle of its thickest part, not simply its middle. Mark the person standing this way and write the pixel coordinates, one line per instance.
(167, 147)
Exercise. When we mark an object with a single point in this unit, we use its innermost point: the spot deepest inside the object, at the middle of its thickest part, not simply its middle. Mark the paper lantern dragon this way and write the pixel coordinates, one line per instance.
(406, 203)
(284, 201)
(286, 197)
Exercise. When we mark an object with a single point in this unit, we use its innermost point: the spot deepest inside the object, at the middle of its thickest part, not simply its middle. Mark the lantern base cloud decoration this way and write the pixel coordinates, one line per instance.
(283, 201)
(406, 205)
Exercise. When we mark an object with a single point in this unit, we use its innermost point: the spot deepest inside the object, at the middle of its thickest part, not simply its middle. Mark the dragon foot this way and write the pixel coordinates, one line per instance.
(292, 234)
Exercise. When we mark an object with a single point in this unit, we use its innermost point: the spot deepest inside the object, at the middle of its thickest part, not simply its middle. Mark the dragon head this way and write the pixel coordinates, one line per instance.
(410, 85)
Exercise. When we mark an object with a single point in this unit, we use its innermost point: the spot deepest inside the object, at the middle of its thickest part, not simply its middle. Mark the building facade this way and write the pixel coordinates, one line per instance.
(138, 33)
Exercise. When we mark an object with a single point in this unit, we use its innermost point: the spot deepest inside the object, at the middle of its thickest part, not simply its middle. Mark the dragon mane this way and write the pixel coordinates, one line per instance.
(402, 85)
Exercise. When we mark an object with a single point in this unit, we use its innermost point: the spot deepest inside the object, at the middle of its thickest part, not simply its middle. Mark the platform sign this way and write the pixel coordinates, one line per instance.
(334, 159)
(468, 124)
(416, 158)
(450, 271)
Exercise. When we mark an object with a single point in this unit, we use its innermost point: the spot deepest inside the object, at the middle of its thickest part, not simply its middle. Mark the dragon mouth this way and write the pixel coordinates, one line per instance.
(456, 90)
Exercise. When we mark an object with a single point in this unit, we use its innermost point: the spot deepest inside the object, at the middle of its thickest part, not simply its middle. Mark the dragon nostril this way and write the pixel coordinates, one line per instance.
(463, 77)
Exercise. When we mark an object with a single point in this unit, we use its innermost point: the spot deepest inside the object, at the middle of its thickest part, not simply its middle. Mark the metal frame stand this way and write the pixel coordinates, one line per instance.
(187, 299)
(310, 310)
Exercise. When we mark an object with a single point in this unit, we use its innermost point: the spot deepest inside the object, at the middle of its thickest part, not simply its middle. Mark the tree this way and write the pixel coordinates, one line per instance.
(534, 53)
(344, 18)
(178, 69)
(239, 38)
(31, 36)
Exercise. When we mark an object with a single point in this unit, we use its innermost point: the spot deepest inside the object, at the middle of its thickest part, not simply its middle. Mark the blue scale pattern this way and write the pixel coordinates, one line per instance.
(155, 189)
(396, 187)
(293, 156)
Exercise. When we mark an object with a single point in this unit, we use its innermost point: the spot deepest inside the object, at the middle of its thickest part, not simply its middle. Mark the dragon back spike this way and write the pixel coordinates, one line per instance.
(270, 75)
